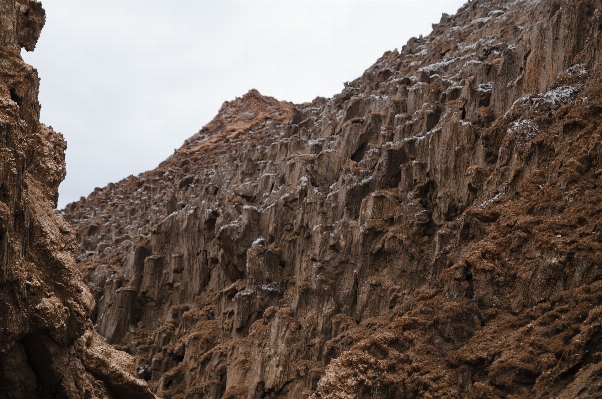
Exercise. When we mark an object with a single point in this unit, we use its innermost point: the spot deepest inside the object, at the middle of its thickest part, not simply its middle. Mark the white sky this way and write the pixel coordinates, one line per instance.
(126, 82)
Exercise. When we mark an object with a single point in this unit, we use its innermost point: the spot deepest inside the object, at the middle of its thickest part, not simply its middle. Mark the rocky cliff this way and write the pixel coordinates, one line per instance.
(48, 348)
(432, 231)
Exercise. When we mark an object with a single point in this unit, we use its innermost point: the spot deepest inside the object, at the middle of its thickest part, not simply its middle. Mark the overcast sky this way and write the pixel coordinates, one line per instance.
(126, 82)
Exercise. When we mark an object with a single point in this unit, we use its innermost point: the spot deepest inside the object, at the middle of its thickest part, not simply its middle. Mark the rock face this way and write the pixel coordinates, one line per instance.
(48, 348)
(432, 231)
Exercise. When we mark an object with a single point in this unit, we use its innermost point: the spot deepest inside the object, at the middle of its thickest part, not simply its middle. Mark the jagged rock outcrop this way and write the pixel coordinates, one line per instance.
(432, 231)
(48, 348)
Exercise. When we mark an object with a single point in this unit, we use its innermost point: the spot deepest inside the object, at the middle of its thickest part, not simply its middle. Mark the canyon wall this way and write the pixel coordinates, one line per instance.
(48, 348)
(431, 231)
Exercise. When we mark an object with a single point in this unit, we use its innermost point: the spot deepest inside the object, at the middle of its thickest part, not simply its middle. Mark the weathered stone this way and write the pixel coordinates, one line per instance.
(432, 231)
(47, 345)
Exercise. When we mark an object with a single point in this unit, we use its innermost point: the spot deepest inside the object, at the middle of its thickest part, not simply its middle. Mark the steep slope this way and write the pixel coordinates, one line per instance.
(48, 348)
(432, 231)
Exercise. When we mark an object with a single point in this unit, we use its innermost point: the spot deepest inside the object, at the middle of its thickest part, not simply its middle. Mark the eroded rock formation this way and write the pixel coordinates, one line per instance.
(48, 348)
(432, 231)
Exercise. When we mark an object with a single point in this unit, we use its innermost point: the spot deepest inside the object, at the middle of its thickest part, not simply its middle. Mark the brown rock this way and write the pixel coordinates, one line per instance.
(47, 345)
(432, 231)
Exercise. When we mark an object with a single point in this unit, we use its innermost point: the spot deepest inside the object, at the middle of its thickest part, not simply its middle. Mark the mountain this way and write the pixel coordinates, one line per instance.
(432, 231)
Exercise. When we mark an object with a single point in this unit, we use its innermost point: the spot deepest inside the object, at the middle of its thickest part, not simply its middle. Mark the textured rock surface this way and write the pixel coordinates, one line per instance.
(432, 231)
(48, 348)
